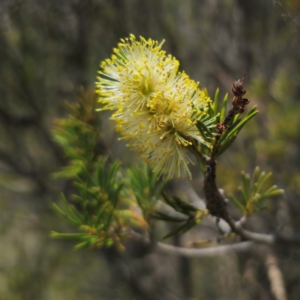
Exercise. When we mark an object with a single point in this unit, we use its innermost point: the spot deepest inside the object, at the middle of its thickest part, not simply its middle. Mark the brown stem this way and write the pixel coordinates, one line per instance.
(214, 200)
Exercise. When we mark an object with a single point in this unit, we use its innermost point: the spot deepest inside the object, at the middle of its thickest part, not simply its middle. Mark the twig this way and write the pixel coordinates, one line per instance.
(241, 221)
(267, 239)
(275, 277)
(191, 252)
(204, 252)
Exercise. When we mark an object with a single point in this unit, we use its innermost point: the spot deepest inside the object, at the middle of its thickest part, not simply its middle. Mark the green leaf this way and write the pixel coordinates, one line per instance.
(271, 192)
(263, 180)
(76, 214)
(231, 133)
(165, 217)
(184, 205)
(204, 130)
(69, 171)
(216, 101)
(256, 175)
(168, 200)
(100, 173)
(236, 129)
(246, 184)
(226, 144)
(82, 245)
(69, 236)
(253, 194)
(66, 213)
(190, 224)
(111, 176)
(238, 124)
(243, 196)
(58, 209)
(237, 203)
(114, 196)
(109, 220)
(175, 231)
(224, 107)
(77, 198)
(100, 213)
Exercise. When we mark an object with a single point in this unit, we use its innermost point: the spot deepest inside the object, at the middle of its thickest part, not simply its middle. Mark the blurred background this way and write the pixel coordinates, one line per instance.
(48, 49)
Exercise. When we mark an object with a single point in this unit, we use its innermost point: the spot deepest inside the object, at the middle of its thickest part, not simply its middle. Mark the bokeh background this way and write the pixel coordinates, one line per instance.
(48, 49)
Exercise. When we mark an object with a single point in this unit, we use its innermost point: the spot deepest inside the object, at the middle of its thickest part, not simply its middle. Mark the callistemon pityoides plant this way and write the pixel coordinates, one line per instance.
(156, 106)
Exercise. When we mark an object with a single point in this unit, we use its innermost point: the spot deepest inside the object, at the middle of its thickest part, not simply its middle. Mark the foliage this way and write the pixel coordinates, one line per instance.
(216, 114)
(108, 202)
(78, 134)
(146, 187)
(101, 207)
(193, 216)
(253, 193)
(98, 201)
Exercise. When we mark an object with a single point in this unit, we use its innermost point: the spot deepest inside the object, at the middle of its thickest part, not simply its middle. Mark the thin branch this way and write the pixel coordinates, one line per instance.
(267, 239)
(204, 252)
(275, 277)
(241, 221)
(191, 252)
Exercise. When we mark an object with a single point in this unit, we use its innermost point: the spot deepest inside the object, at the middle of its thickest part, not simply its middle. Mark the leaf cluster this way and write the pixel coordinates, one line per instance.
(79, 134)
(98, 208)
(190, 215)
(147, 187)
(106, 201)
(254, 192)
(216, 113)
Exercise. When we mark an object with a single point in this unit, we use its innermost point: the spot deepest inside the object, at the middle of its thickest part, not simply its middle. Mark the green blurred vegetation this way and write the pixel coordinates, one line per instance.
(49, 49)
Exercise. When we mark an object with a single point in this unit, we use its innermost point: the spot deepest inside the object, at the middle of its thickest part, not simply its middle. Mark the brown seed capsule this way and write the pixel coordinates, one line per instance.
(246, 101)
(221, 127)
(238, 88)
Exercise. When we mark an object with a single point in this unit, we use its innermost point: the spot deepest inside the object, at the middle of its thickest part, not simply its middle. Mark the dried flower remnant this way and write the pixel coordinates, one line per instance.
(238, 103)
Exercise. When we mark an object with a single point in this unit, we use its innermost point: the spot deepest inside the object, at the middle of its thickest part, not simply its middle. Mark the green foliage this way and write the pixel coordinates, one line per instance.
(191, 215)
(253, 193)
(98, 208)
(223, 108)
(235, 126)
(216, 114)
(79, 134)
(104, 205)
(206, 125)
(146, 187)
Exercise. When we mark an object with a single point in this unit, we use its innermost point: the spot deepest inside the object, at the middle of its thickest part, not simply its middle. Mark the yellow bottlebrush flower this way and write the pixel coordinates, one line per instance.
(156, 106)
(136, 72)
